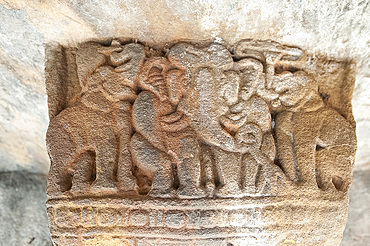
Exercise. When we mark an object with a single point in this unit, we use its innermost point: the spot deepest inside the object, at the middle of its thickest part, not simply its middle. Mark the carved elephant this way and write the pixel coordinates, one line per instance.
(88, 143)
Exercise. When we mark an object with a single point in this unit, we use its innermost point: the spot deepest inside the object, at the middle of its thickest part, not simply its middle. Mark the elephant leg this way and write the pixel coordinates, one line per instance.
(83, 171)
(62, 150)
(106, 168)
(208, 177)
(228, 169)
(58, 181)
(188, 169)
(125, 177)
(332, 168)
(163, 180)
(253, 177)
(151, 168)
(268, 175)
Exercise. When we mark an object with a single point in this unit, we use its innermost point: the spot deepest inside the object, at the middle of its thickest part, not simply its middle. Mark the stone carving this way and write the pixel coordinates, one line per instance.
(165, 146)
(231, 117)
(186, 139)
(89, 143)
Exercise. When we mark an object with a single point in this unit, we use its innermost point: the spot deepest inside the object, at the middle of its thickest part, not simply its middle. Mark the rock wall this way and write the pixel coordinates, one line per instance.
(336, 29)
(23, 219)
(240, 144)
(324, 27)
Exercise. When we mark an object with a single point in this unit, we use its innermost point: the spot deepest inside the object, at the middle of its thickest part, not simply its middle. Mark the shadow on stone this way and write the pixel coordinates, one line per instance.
(23, 219)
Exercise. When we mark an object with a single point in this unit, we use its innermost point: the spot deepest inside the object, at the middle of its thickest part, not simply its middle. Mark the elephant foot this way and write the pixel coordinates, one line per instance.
(103, 187)
(268, 190)
(210, 189)
(163, 193)
(127, 188)
(79, 190)
(229, 191)
(191, 192)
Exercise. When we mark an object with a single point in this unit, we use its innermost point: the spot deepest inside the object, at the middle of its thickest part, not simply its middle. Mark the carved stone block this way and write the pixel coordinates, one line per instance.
(198, 144)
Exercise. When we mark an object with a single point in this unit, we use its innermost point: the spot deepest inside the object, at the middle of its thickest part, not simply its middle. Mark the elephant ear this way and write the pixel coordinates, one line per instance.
(128, 61)
(204, 108)
(219, 57)
(203, 102)
(335, 151)
(145, 119)
(188, 55)
(88, 58)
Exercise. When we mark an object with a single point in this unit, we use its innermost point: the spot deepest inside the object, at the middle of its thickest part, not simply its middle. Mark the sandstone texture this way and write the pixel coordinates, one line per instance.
(336, 29)
(339, 30)
(198, 143)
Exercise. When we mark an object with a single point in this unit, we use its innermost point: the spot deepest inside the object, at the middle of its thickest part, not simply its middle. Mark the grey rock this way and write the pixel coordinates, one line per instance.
(23, 219)
(357, 232)
(23, 108)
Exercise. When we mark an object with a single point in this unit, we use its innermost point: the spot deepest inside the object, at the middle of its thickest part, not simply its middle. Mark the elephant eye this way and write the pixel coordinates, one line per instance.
(246, 89)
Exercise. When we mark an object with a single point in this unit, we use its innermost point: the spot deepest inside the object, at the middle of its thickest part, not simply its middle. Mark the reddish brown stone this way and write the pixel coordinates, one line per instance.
(198, 145)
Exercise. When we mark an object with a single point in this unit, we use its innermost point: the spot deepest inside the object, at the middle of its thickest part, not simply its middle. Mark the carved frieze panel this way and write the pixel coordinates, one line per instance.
(148, 144)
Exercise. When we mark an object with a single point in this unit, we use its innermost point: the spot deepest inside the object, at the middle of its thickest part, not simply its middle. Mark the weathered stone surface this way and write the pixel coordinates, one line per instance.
(357, 232)
(23, 219)
(23, 109)
(339, 29)
(197, 222)
(148, 145)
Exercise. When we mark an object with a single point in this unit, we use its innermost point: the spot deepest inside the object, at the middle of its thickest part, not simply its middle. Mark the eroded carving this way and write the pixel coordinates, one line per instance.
(230, 116)
(165, 147)
(89, 143)
(197, 124)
